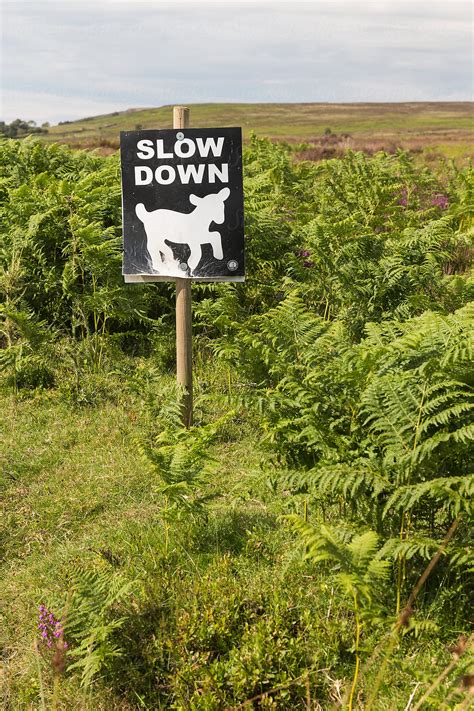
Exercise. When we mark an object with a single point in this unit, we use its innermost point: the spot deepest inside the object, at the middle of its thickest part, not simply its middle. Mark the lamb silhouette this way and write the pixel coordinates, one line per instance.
(184, 228)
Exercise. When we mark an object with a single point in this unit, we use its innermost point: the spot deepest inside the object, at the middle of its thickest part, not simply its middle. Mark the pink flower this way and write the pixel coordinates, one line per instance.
(439, 200)
(50, 628)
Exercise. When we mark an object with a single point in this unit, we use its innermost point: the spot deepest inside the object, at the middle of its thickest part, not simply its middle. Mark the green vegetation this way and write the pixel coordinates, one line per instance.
(432, 129)
(20, 129)
(308, 542)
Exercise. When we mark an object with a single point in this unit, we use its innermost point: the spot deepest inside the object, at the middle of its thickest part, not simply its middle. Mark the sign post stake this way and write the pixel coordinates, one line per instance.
(182, 213)
(184, 332)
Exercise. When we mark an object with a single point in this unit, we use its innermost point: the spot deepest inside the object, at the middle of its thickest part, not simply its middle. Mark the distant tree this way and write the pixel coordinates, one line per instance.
(19, 128)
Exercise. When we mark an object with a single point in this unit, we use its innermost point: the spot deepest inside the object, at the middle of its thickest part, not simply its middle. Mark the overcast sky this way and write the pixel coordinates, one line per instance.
(69, 59)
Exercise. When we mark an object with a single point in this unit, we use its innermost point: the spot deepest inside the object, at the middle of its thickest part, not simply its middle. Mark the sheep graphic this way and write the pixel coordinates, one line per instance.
(183, 228)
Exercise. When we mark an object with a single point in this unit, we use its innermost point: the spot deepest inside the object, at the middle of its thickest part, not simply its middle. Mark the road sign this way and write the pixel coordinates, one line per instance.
(182, 203)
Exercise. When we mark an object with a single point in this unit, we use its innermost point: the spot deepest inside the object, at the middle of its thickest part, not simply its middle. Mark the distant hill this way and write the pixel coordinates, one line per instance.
(446, 128)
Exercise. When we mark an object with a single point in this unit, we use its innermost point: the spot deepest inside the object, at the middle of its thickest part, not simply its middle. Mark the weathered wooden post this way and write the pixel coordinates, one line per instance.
(182, 207)
(184, 324)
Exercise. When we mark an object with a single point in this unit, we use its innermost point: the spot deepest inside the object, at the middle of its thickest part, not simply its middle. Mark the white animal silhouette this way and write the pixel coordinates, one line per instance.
(180, 228)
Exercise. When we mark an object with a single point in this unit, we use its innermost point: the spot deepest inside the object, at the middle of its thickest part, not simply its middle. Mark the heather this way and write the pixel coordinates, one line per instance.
(308, 542)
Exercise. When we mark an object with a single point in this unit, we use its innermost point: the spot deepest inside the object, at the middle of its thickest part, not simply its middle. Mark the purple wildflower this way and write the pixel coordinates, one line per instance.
(440, 200)
(304, 253)
(51, 629)
(308, 265)
(403, 199)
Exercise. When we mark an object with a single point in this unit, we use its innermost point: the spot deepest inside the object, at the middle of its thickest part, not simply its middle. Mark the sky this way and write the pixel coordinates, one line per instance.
(68, 59)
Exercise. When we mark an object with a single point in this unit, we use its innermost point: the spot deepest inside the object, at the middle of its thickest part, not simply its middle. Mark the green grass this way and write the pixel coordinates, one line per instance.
(425, 123)
(226, 609)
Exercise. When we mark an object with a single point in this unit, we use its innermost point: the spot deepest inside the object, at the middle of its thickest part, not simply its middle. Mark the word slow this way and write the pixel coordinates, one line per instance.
(183, 148)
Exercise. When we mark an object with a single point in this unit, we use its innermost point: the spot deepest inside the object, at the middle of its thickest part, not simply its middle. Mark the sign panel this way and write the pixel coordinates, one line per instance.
(182, 204)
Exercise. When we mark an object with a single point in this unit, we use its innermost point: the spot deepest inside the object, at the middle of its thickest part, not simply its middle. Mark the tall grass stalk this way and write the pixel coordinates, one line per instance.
(40, 676)
(445, 673)
(405, 614)
(356, 648)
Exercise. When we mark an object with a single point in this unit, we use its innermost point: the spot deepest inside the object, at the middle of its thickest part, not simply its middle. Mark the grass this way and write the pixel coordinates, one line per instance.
(447, 125)
(226, 610)
(222, 606)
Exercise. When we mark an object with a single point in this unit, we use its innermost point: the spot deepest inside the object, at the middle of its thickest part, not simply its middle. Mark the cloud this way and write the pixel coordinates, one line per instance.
(63, 60)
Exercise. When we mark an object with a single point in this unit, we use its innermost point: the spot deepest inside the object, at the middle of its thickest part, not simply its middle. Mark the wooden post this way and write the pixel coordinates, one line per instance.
(184, 329)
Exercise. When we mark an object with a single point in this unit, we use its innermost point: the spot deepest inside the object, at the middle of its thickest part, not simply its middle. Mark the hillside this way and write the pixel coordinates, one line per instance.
(438, 127)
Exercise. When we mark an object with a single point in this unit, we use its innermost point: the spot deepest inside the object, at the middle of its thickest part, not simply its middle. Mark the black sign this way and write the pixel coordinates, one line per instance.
(182, 204)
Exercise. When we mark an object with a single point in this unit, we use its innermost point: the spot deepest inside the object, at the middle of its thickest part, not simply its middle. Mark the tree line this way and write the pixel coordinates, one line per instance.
(19, 128)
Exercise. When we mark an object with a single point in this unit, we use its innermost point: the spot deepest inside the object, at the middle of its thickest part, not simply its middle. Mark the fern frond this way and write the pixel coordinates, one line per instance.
(352, 481)
(455, 493)
(358, 569)
(421, 546)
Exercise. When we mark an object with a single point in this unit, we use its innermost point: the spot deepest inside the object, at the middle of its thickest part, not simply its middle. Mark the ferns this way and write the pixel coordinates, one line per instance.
(359, 239)
(385, 425)
(354, 482)
(420, 546)
(61, 251)
(92, 619)
(352, 340)
(357, 569)
(178, 459)
(452, 494)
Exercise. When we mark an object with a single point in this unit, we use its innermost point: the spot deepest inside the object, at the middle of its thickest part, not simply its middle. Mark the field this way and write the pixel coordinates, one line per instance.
(307, 543)
(446, 129)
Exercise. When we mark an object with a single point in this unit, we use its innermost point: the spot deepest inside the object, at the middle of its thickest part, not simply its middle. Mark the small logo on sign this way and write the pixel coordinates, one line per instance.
(232, 265)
